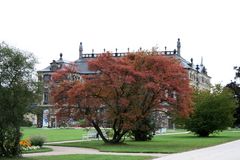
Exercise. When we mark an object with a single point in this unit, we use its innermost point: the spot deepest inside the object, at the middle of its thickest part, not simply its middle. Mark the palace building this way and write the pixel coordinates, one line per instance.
(197, 74)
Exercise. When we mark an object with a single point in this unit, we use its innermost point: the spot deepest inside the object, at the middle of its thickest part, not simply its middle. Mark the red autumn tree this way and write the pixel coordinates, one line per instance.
(123, 91)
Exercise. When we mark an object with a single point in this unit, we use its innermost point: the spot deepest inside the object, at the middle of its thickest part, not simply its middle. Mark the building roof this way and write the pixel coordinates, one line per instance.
(82, 65)
(190, 65)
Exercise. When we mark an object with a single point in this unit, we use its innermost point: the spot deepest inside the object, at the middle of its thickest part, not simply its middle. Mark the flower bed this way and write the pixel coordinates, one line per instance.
(28, 145)
(30, 148)
(25, 143)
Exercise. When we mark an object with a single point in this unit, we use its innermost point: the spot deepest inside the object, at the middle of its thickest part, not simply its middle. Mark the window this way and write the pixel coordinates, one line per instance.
(54, 66)
(45, 98)
(47, 77)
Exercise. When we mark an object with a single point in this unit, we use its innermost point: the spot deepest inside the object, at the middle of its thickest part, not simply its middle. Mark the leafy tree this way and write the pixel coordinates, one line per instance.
(123, 92)
(213, 111)
(236, 90)
(17, 88)
(235, 87)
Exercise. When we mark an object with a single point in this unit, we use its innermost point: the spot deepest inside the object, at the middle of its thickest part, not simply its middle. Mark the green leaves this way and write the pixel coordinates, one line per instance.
(213, 111)
(17, 93)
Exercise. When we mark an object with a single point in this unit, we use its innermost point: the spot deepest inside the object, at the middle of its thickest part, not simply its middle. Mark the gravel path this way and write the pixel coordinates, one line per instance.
(227, 151)
(75, 150)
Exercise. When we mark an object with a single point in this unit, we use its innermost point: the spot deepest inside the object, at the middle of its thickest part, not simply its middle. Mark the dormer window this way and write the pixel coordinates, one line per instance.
(54, 66)
(46, 77)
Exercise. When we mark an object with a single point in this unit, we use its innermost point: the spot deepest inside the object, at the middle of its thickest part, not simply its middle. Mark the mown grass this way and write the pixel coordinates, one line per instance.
(84, 157)
(161, 144)
(62, 134)
(53, 135)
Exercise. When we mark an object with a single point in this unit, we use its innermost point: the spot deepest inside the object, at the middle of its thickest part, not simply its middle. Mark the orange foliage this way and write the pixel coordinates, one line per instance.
(25, 143)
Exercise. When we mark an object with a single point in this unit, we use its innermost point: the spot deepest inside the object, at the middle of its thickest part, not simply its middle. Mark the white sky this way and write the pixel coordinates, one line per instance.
(207, 28)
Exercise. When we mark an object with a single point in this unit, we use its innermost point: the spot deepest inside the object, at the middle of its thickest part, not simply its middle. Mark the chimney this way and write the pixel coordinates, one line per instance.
(61, 56)
(80, 50)
(178, 47)
(191, 62)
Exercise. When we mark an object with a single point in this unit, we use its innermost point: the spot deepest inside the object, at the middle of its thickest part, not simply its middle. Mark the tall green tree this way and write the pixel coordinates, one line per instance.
(235, 87)
(17, 93)
(236, 90)
(213, 111)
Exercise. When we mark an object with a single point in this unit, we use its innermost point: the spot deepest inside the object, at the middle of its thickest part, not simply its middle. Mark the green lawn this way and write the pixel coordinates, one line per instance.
(52, 134)
(85, 157)
(161, 144)
(62, 134)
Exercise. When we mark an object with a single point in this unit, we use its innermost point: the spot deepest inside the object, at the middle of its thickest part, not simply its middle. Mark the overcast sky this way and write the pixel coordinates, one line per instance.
(207, 28)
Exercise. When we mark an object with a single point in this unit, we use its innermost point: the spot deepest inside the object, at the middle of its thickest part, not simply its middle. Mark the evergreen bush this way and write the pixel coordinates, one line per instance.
(37, 140)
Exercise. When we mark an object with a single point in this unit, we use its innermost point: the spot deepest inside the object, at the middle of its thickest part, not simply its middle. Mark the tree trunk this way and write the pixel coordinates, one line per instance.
(117, 138)
(203, 134)
(16, 149)
(139, 136)
(99, 131)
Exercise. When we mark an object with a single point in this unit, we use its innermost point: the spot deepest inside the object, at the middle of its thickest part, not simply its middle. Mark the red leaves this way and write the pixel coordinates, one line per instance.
(129, 79)
(150, 86)
(127, 88)
(123, 102)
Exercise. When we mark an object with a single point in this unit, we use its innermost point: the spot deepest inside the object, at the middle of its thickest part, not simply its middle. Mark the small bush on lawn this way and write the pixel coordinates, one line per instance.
(37, 140)
(213, 111)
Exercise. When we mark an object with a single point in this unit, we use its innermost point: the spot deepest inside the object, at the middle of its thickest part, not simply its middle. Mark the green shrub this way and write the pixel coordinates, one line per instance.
(37, 140)
(213, 112)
